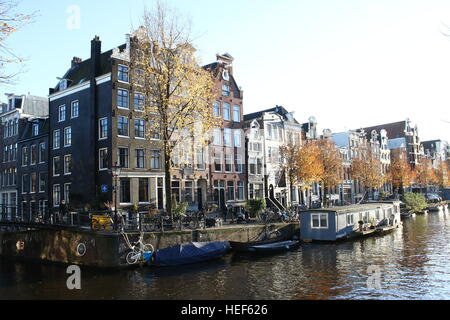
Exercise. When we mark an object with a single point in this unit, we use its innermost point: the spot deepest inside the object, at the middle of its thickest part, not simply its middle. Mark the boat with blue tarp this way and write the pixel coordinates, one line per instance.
(189, 253)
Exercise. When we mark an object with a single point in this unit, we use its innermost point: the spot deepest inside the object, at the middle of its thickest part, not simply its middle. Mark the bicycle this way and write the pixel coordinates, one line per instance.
(140, 252)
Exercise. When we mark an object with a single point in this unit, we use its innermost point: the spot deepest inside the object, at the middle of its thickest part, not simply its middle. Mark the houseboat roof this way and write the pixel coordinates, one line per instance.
(356, 207)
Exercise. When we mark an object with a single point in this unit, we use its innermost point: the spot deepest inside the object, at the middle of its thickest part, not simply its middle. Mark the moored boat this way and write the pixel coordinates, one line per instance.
(275, 247)
(189, 253)
(244, 246)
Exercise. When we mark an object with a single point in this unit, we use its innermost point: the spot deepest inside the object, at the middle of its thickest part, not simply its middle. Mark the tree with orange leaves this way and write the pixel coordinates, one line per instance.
(368, 171)
(442, 174)
(425, 174)
(400, 172)
(330, 158)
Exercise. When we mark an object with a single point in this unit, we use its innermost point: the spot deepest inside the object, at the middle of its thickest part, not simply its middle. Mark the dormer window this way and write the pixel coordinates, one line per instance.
(35, 129)
(63, 84)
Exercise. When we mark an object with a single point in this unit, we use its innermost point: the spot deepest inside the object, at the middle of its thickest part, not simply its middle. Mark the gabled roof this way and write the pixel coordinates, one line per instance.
(394, 130)
(278, 110)
(44, 128)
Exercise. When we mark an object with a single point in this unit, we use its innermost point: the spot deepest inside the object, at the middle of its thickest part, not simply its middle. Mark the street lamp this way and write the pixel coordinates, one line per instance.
(116, 171)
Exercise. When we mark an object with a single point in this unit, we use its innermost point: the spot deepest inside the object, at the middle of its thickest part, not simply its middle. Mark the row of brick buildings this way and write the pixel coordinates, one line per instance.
(64, 146)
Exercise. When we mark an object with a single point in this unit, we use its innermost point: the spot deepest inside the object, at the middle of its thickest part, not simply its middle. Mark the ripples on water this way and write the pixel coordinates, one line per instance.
(414, 263)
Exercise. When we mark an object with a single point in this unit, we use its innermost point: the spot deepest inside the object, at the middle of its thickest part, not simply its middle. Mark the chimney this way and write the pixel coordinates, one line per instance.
(96, 51)
(76, 61)
(227, 61)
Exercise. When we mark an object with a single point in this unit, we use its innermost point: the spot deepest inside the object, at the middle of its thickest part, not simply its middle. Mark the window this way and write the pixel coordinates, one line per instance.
(238, 159)
(188, 192)
(56, 139)
(24, 182)
(125, 195)
(176, 190)
(139, 77)
(56, 166)
(139, 128)
(218, 162)
(42, 152)
(33, 183)
(67, 137)
(139, 102)
(68, 164)
(226, 90)
(155, 160)
(5, 154)
(33, 154)
(56, 195)
(259, 166)
(226, 112)
(350, 219)
(230, 191)
(236, 113)
(155, 135)
(62, 113)
(122, 126)
(252, 165)
(103, 159)
(35, 129)
(123, 157)
(319, 221)
(217, 137)
(227, 137)
(122, 99)
(200, 159)
(140, 159)
(24, 156)
(228, 162)
(240, 191)
(216, 109)
(143, 190)
(41, 182)
(75, 109)
(103, 128)
(122, 73)
(67, 187)
(237, 138)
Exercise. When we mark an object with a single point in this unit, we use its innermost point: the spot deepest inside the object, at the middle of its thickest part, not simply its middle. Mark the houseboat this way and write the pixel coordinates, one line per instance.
(342, 223)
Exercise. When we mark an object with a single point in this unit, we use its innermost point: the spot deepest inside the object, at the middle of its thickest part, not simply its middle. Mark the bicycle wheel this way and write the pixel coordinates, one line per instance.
(133, 257)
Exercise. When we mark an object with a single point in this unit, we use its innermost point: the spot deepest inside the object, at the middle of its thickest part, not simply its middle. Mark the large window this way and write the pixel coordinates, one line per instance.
(236, 113)
(67, 187)
(122, 98)
(103, 128)
(237, 138)
(227, 111)
(75, 109)
(125, 194)
(319, 221)
(238, 160)
(56, 195)
(227, 137)
(143, 190)
(24, 182)
(62, 113)
(216, 109)
(140, 158)
(67, 137)
(123, 157)
(122, 126)
(56, 139)
(33, 154)
(33, 183)
(56, 166)
(41, 182)
(240, 191)
(139, 102)
(189, 192)
(218, 162)
(217, 137)
(122, 73)
(155, 161)
(103, 159)
(35, 129)
(230, 191)
(228, 162)
(139, 128)
(68, 164)
(24, 156)
(42, 152)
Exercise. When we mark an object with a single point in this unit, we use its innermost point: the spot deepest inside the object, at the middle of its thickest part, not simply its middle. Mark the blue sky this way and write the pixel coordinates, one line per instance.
(350, 63)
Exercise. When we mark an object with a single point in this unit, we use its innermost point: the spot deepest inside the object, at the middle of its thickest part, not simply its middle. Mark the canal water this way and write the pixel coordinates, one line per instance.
(411, 263)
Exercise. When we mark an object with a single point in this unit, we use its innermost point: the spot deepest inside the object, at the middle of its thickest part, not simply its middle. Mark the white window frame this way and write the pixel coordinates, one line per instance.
(70, 143)
(59, 139)
(100, 159)
(118, 72)
(71, 109)
(67, 195)
(320, 221)
(56, 203)
(39, 182)
(53, 166)
(117, 99)
(100, 129)
(67, 173)
(39, 152)
(119, 135)
(59, 113)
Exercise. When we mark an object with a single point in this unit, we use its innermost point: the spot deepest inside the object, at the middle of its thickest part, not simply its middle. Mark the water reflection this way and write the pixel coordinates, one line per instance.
(413, 260)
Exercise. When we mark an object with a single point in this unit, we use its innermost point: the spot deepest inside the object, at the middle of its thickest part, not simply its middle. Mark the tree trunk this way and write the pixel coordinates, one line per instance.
(168, 184)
